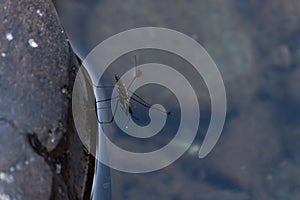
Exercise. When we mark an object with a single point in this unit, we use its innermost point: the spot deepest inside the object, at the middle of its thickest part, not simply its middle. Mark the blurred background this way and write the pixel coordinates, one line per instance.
(256, 46)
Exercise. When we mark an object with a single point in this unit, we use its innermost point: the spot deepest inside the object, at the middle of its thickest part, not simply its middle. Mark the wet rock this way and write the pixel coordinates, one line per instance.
(35, 66)
(74, 11)
(32, 75)
(19, 165)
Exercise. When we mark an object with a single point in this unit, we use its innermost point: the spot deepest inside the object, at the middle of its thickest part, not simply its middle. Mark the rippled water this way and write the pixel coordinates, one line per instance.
(257, 156)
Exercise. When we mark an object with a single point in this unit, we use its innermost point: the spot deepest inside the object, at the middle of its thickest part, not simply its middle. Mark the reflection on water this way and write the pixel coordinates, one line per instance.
(257, 156)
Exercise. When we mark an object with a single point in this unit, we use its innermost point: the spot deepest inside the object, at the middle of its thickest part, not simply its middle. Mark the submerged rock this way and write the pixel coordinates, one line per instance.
(249, 148)
(292, 86)
(280, 19)
(281, 57)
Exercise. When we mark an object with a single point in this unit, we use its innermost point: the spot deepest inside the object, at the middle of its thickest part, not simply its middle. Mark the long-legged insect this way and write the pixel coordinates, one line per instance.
(124, 98)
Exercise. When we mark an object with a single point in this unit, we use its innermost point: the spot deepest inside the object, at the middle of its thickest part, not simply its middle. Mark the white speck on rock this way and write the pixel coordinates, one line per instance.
(39, 12)
(19, 166)
(4, 196)
(3, 54)
(64, 90)
(57, 168)
(32, 43)
(9, 36)
(11, 169)
(5, 20)
(6, 177)
(30, 8)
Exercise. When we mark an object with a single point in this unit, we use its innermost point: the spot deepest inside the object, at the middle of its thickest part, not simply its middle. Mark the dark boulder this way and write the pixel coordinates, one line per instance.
(36, 138)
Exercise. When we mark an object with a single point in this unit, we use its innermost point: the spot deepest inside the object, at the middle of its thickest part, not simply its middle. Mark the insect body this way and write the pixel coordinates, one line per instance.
(123, 95)
(124, 98)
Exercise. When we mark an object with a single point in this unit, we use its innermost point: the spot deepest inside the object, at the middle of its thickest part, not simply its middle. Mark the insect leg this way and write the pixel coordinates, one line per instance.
(126, 125)
(137, 96)
(147, 105)
(138, 73)
(131, 114)
(104, 86)
(113, 116)
(95, 108)
(109, 99)
(131, 82)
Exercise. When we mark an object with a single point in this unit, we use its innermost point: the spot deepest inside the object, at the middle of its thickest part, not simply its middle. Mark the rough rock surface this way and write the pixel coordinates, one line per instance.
(35, 64)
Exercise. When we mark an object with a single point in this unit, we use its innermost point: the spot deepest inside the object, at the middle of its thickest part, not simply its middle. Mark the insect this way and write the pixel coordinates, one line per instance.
(123, 97)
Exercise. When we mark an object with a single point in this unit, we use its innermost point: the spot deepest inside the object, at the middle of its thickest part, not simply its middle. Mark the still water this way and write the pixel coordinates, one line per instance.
(257, 156)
